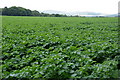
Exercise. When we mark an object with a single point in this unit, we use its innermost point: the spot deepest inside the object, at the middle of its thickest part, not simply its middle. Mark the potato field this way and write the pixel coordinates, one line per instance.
(60, 47)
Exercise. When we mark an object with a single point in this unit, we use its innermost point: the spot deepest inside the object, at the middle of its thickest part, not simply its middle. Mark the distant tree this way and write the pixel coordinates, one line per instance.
(22, 11)
(13, 11)
(41, 14)
(5, 11)
(0, 11)
(35, 13)
(76, 16)
(57, 15)
(52, 15)
(65, 15)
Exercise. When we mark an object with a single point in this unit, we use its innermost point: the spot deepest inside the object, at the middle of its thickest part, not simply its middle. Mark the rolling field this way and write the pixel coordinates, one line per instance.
(60, 47)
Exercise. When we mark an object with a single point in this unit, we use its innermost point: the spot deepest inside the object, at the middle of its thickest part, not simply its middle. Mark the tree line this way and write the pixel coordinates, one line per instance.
(20, 11)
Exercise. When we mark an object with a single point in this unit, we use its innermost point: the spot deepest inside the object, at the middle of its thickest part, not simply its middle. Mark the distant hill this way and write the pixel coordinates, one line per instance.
(87, 14)
(53, 12)
(71, 13)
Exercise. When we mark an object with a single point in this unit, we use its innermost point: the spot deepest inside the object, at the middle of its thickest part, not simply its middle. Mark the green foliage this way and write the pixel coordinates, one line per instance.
(20, 11)
(43, 47)
(0, 11)
(16, 11)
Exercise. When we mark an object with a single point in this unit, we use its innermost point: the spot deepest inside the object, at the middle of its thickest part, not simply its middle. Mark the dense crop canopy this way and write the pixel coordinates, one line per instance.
(43, 47)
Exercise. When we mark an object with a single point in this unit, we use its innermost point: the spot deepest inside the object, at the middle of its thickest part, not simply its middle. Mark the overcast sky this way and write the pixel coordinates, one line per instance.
(102, 6)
